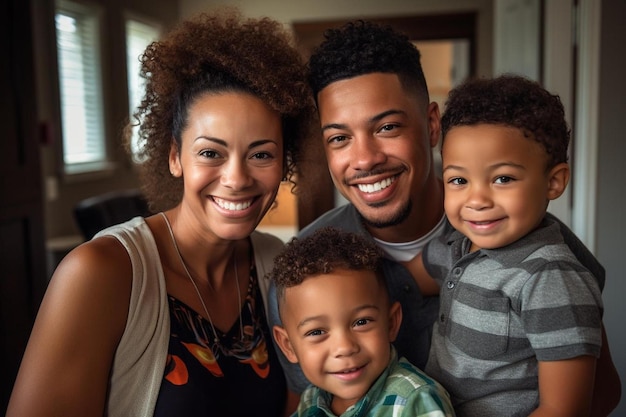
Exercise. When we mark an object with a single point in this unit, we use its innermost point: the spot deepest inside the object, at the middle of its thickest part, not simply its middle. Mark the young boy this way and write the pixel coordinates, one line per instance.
(519, 330)
(339, 324)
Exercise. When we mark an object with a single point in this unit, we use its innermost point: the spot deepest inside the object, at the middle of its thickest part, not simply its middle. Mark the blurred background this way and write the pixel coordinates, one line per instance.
(70, 81)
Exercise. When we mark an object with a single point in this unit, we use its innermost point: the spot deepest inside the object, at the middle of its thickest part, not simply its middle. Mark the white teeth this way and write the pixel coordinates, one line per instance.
(229, 205)
(377, 186)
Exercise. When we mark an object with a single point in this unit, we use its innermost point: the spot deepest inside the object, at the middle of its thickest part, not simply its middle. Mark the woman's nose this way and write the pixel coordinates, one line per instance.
(235, 175)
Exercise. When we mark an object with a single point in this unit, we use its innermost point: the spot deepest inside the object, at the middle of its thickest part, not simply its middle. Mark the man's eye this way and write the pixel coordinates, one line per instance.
(388, 128)
(337, 139)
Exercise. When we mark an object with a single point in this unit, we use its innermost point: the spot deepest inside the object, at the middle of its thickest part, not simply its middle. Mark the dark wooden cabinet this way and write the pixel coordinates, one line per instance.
(22, 253)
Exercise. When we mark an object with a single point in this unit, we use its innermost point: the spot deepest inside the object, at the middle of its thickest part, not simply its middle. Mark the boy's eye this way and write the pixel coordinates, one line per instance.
(457, 181)
(316, 332)
(503, 179)
(361, 322)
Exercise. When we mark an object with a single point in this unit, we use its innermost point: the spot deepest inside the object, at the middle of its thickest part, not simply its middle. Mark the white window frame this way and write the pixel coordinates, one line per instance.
(82, 115)
(139, 33)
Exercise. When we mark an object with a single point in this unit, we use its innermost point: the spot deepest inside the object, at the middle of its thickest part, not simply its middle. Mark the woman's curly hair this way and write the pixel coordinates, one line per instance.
(514, 101)
(361, 47)
(217, 52)
(323, 252)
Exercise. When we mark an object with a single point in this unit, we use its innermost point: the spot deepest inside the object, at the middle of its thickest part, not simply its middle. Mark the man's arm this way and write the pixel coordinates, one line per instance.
(607, 390)
(565, 387)
(427, 285)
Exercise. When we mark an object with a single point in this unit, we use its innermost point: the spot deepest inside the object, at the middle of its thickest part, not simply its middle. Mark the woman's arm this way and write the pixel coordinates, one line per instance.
(566, 387)
(66, 365)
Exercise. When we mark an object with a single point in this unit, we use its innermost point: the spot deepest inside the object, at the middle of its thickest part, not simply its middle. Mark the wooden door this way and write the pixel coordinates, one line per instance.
(22, 254)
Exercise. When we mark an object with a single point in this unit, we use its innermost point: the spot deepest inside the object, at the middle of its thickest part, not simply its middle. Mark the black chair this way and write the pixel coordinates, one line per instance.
(96, 213)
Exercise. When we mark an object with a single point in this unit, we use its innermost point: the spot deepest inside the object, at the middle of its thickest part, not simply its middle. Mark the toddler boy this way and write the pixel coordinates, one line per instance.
(339, 323)
(519, 327)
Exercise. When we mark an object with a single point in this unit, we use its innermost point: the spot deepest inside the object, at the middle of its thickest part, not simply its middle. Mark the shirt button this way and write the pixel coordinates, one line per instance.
(450, 285)
(442, 318)
(457, 271)
(407, 288)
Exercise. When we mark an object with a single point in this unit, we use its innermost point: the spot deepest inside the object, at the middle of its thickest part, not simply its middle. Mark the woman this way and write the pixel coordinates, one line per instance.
(166, 315)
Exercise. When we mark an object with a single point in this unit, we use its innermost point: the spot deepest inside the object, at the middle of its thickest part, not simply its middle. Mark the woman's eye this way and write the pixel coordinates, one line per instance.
(209, 154)
(262, 155)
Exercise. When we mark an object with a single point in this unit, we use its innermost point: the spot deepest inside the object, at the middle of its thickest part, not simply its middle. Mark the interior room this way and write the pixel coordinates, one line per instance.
(573, 47)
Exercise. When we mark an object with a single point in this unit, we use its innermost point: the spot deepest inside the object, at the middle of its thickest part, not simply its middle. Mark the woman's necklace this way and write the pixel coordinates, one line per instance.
(182, 261)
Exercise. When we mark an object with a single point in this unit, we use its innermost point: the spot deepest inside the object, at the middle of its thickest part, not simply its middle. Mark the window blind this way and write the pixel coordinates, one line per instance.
(77, 31)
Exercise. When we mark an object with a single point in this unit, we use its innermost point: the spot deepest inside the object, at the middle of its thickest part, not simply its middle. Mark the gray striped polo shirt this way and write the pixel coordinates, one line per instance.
(501, 311)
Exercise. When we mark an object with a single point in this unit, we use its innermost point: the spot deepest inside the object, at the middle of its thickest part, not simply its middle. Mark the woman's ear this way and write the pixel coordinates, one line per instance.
(558, 178)
(283, 342)
(174, 160)
(395, 319)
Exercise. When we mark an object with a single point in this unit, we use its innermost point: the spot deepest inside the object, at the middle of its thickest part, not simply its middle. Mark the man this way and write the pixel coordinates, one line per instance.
(378, 130)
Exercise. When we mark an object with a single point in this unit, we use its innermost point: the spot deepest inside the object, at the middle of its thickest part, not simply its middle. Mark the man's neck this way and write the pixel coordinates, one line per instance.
(425, 215)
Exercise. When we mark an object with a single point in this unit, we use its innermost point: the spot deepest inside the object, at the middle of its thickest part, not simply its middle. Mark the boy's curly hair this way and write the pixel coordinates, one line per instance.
(361, 47)
(326, 250)
(513, 101)
(214, 53)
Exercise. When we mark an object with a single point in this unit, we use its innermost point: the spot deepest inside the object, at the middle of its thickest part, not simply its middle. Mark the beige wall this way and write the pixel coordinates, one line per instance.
(288, 11)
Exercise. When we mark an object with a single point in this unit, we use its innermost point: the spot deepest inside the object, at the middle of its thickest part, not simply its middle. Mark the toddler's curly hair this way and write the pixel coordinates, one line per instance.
(515, 101)
(323, 252)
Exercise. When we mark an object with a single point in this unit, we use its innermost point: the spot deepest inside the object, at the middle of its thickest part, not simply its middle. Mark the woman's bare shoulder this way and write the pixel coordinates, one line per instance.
(82, 317)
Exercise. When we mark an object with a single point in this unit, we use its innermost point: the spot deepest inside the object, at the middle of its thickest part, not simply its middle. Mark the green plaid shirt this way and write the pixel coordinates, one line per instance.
(401, 390)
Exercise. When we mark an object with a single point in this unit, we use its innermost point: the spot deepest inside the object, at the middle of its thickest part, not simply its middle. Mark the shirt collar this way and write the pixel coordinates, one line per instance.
(547, 233)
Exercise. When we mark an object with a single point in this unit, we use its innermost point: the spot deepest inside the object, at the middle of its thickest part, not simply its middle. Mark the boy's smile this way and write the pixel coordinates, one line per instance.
(340, 326)
(497, 185)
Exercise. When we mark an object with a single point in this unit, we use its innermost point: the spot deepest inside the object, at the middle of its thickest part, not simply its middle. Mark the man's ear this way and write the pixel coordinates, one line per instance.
(282, 340)
(395, 319)
(558, 178)
(434, 123)
(174, 160)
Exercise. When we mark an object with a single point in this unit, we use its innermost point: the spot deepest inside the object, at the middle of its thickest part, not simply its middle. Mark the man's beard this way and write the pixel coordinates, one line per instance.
(395, 220)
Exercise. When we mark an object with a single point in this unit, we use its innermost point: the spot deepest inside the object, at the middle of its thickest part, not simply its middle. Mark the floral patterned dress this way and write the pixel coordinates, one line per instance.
(232, 377)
